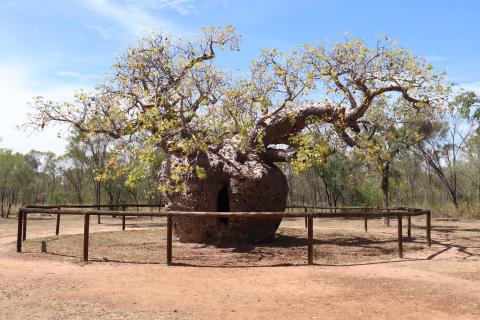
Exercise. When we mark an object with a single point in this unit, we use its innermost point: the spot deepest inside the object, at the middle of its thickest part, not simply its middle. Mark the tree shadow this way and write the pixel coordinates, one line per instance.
(264, 251)
(287, 241)
(96, 260)
(183, 264)
(449, 229)
(137, 225)
(466, 250)
(149, 225)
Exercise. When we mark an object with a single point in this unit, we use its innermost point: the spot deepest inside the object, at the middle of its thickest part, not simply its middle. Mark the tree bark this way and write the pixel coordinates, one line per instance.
(235, 181)
(281, 127)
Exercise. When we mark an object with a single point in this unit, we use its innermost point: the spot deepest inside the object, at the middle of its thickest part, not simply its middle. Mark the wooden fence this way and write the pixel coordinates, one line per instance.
(315, 213)
(58, 213)
(94, 206)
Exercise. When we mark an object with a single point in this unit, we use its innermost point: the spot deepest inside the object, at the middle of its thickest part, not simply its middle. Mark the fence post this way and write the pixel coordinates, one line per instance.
(57, 227)
(365, 226)
(19, 230)
(24, 233)
(169, 240)
(409, 228)
(400, 237)
(429, 225)
(86, 230)
(123, 219)
(310, 240)
(306, 222)
(99, 222)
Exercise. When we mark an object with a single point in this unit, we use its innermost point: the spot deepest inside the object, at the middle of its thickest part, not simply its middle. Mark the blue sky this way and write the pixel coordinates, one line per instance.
(54, 47)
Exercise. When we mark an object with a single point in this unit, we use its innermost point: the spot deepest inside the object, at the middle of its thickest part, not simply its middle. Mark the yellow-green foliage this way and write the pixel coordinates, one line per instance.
(166, 95)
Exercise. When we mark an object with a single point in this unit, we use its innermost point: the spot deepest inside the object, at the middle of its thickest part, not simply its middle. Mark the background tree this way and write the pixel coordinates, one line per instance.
(443, 152)
(15, 174)
(388, 138)
(336, 175)
(75, 168)
(39, 185)
(412, 171)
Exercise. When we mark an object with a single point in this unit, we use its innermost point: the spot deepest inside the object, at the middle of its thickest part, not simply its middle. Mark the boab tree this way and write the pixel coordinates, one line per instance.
(222, 137)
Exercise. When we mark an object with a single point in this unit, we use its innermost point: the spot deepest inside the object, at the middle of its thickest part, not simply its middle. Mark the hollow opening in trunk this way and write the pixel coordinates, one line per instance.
(223, 204)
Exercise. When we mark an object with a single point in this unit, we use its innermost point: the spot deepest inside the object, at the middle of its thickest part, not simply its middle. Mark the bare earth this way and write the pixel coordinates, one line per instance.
(356, 276)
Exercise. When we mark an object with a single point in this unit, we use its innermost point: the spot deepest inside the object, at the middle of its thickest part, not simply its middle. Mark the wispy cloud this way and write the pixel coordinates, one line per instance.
(78, 77)
(135, 16)
(436, 58)
(18, 86)
(471, 86)
(103, 32)
(183, 7)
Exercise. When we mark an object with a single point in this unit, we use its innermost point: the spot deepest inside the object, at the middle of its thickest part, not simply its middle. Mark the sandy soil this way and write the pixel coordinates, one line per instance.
(356, 276)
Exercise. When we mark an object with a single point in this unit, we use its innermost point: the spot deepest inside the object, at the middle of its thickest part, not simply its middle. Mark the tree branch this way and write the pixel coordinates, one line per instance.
(279, 155)
(356, 114)
(280, 128)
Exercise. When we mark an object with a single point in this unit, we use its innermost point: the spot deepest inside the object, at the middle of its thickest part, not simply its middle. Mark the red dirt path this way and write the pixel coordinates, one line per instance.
(33, 286)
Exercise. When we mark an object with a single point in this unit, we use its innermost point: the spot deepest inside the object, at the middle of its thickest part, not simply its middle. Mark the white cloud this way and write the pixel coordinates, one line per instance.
(436, 58)
(471, 86)
(183, 7)
(103, 32)
(17, 87)
(134, 15)
(78, 77)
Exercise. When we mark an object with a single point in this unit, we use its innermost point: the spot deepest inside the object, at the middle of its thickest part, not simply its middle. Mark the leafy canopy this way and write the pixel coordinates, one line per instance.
(167, 95)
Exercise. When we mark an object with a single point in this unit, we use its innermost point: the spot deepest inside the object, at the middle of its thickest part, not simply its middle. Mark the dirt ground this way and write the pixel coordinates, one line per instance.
(357, 275)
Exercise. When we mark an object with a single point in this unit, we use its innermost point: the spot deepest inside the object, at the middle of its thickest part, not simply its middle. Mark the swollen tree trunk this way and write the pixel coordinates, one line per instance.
(245, 181)
(385, 191)
(235, 181)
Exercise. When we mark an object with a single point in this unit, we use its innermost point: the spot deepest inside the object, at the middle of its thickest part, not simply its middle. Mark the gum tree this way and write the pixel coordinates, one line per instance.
(223, 137)
(444, 151)
(388, 138)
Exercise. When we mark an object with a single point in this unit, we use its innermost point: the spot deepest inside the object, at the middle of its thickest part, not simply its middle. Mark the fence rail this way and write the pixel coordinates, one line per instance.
(351, 212)
(127, 205)
(123, 206)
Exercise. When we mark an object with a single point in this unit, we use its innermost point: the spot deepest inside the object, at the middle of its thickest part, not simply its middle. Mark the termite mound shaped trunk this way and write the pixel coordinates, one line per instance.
(234, 182)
